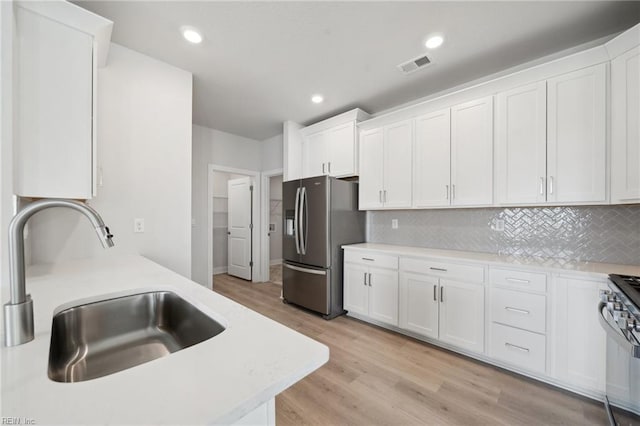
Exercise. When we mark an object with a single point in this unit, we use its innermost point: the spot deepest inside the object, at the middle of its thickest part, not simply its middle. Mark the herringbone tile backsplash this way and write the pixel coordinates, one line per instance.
(608, 234)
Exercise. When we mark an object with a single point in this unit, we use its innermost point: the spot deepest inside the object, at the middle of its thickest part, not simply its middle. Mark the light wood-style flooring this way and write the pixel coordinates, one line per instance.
(377, 377)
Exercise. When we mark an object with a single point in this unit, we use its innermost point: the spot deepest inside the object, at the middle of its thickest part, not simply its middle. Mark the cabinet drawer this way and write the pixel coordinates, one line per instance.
(518, 347)
(521, 280)
(518, 309)
(465, 273)
(372, 259)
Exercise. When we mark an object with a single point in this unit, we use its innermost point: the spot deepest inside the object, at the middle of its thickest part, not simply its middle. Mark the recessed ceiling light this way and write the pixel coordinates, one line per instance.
(434, 42)
(317, 99)
(191, 34)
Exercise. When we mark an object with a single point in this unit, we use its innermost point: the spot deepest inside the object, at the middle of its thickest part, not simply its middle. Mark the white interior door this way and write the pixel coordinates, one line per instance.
(240, 227)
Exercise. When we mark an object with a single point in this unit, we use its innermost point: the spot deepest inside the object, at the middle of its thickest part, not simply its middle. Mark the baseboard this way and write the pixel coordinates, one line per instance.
(220, 270)
(275, 262)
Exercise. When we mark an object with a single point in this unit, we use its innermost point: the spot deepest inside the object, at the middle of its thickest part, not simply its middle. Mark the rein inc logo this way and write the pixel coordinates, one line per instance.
(17, 421)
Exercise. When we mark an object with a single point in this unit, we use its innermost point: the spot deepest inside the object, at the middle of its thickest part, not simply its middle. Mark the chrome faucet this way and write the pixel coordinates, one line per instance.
(18, 313)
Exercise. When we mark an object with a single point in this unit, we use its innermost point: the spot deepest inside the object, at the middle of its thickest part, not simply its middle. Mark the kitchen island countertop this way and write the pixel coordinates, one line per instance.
(217, 381)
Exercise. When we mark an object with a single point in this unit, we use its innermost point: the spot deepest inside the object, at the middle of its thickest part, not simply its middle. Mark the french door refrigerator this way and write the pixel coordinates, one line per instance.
(320, 215)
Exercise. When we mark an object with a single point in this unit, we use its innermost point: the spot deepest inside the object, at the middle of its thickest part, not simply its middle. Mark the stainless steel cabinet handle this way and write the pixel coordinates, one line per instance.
(437, 269)
(380, 196)
(368, 258)
(520, 348)
(518, 280)
(369, 279)
(322, 168)
(435, 292)
(365, 279)
(541, 186)
(384, 198)
(441, 294)
(329, 167)
(453, 192)
(447, 191)
(520, 311)
(550, 184)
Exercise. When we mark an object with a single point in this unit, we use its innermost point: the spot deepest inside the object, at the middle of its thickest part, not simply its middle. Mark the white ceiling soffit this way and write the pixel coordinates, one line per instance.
(260, 62)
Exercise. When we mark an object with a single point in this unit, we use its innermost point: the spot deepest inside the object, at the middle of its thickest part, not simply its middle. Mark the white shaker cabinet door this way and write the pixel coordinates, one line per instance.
(398, 141)
(419, 303)
(580, 341)
(521, 145)
(432, 160)
(356, 290)
(55, 149)
(625, 127)
(314, 155)
(472, 153)
(462, 314)
(342, 150)
(371, 164)
(576, 136)
(383, 295)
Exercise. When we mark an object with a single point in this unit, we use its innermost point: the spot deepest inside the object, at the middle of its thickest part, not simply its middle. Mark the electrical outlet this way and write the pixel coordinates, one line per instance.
(498, 225)
(138, 225)
(394, 223)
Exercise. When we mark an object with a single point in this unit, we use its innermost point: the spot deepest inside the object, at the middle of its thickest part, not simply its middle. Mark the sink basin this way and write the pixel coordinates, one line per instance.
(102, 338)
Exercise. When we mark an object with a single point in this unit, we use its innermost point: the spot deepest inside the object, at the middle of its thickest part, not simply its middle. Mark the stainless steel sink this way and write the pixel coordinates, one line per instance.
(102, 338)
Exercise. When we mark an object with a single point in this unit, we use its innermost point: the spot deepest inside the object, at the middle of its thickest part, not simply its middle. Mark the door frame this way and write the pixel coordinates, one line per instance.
(264, 205)
(256, 243)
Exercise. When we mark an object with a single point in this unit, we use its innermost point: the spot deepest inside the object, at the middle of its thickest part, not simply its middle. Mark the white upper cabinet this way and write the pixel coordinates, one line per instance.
(330, 147)
(398, 141)
(385, 167)
(576, 136)
(315, 152)
(371, 160)
(521, 145)
(432, 160)
(57, 68)
(625, 127)
(472, 153)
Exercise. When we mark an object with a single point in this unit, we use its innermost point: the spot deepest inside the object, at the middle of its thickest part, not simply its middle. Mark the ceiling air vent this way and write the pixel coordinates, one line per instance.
(414, 64)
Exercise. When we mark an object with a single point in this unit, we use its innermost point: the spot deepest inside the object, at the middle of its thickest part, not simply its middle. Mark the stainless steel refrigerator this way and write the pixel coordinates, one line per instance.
(320, 215)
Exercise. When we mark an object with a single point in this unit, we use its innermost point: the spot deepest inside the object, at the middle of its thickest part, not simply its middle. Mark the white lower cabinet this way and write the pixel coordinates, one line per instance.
(518, 318)
(580, 341)
(370, 290)
(462, 314)
(445, 309)
(518, 347)
(540, 323)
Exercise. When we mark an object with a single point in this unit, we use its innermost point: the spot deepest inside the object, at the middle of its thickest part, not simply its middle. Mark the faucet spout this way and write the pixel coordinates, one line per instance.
(18, 313)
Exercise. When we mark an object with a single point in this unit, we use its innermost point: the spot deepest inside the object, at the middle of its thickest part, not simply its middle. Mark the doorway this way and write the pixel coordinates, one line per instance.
(272, 225)
(234, 228)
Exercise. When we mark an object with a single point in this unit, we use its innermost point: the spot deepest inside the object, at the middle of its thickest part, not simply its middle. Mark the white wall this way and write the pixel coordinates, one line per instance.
(272, 153)
(212, 146)
(144, 150)
(7, 29)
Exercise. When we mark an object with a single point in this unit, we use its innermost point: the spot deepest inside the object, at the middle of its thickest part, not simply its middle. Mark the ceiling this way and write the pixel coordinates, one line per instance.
(260, 62)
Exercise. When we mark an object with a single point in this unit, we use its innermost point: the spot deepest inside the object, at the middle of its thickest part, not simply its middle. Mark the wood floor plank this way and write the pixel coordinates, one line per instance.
(378, 377)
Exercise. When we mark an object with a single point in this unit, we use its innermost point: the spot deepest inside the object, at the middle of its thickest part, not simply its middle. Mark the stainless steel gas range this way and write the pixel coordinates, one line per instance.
(619, 315)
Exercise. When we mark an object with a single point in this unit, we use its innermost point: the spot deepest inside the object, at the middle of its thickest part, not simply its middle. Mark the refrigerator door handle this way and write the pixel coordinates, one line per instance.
(296, 233)
(303, 220)
(305, 270)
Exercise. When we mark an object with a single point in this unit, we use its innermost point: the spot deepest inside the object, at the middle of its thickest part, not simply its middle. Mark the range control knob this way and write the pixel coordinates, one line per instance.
(604, 295)
(621, 318)
(632, 324)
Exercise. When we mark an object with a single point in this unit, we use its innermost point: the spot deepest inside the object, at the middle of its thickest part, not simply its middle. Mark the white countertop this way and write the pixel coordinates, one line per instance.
(545, 264)
(217, 381)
